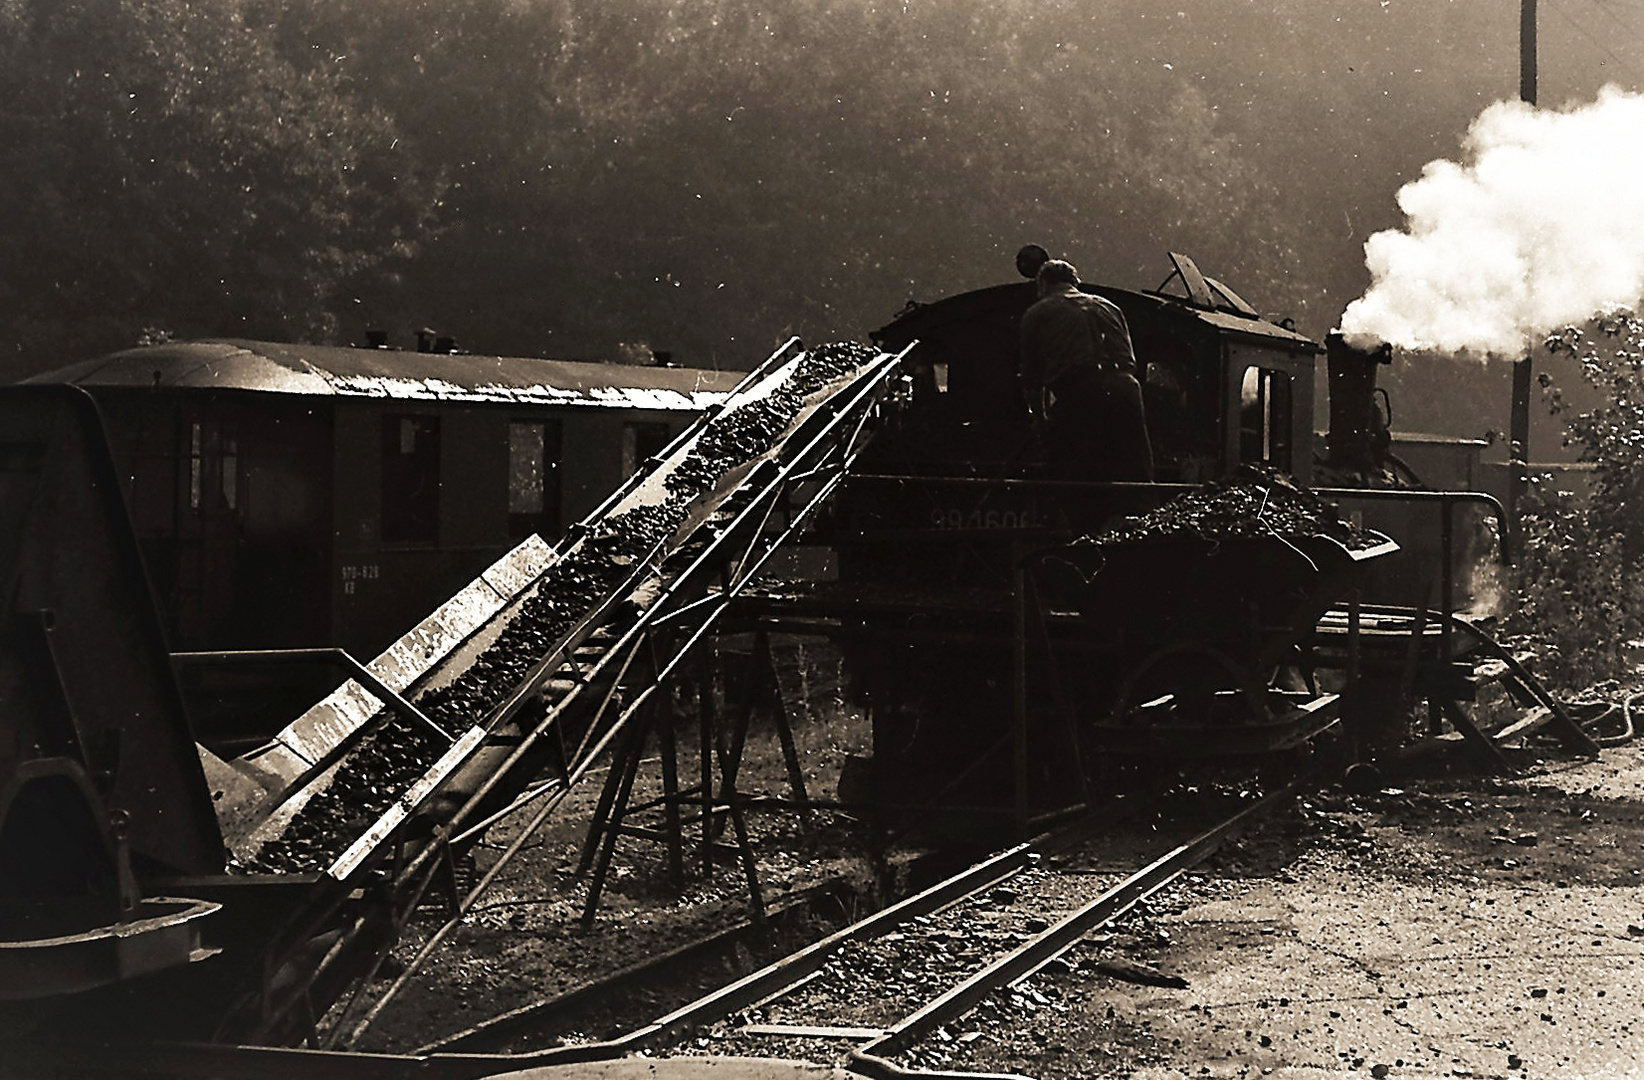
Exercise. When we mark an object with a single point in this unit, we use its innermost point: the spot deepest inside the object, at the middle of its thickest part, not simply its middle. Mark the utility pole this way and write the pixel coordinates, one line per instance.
(1527, 51)
(1518, 445)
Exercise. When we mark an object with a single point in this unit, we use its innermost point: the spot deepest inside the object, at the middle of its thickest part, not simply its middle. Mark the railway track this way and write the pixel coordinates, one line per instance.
(874, 992)
(871, 997)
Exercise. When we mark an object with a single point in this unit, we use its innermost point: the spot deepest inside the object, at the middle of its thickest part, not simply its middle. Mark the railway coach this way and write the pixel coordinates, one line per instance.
(293, 496)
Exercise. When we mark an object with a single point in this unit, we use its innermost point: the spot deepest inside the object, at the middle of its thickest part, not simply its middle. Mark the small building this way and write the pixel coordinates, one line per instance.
(301, 495)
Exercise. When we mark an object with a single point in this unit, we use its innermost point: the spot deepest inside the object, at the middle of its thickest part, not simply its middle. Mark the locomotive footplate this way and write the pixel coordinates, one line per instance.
(1226, 723)
(1404, 655)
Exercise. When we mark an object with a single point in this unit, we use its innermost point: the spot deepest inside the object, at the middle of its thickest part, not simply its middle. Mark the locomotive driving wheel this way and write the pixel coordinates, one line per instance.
(1193, 680)
(1197, 700)
(1188, 707)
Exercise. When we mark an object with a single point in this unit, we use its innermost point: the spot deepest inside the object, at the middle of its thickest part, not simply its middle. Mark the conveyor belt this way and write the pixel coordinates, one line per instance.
(522, 670)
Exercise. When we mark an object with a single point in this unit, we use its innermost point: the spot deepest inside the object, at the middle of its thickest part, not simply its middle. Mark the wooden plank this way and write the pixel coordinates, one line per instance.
(1534, 720)
(1479, 742)
(812, 1031)
(1198, 291)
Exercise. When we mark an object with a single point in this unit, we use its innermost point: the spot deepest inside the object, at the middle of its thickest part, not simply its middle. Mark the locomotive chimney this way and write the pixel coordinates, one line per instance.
(1358, 435)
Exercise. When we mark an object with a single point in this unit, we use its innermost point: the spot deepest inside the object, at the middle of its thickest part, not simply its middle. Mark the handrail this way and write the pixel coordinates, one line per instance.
(1446, 498)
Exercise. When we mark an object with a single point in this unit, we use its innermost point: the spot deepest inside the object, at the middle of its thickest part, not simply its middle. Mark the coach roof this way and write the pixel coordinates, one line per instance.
(332, 371)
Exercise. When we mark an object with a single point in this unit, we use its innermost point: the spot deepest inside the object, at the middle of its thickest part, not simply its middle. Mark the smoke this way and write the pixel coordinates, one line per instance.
(1542, 225)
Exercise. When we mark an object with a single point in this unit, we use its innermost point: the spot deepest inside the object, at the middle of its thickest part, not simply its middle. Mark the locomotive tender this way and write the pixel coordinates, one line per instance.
(1011, 661)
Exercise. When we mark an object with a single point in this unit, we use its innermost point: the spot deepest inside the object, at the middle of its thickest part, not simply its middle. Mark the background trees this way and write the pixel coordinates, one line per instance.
(1581, 574)
(704, 176)
(167, 168)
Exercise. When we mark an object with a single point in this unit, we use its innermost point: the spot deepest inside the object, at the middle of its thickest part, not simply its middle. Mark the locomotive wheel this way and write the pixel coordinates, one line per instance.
(1250, 689)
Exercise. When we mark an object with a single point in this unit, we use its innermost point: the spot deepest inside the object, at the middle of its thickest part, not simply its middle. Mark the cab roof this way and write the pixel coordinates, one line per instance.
(923, 320)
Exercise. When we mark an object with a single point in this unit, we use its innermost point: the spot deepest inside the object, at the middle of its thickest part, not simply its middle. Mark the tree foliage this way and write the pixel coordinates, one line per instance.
(1581, 574)
(715, 175)
(168, 168)
(562, 176)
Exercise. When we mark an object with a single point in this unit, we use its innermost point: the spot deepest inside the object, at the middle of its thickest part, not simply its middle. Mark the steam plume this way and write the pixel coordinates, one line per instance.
(1543, 225)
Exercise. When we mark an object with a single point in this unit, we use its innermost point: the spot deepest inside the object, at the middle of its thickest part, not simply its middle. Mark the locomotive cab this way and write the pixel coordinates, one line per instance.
(960, 568)
(1221, 386)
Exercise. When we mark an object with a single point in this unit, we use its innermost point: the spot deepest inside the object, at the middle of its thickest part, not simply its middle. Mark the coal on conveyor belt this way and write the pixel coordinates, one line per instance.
(750, 430)
(1251, 503)
(398, 752)
(395, 753)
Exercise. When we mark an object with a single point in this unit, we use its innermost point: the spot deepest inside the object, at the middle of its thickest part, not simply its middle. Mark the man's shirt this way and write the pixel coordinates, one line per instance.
(1070, 330)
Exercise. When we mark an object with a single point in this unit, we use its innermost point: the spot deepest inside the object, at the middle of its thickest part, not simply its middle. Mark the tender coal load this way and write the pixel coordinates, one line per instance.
(1251, 503)
(395, 752)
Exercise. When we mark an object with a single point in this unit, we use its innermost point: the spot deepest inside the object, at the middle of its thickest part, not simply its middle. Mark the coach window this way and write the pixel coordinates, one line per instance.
(213, 468)
(1265, 410)
(410, 478)
(640, 443)
(534, 449)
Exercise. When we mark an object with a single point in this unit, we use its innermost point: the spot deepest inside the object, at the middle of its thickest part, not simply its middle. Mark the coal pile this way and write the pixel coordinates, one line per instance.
(395, 753)
(1250, 504)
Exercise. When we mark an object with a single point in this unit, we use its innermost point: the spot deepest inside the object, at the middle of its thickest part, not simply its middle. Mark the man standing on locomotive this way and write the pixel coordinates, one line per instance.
(1079, 372)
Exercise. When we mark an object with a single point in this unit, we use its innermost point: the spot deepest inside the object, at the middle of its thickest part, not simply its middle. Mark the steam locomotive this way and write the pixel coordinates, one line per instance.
(1018, 636)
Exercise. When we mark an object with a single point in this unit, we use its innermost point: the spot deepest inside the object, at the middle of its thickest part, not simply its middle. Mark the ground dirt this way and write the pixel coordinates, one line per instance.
(1452, 925)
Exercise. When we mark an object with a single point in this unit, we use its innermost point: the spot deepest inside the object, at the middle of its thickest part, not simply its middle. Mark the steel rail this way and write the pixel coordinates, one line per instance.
(195, 1060)
(778, 976)
(776, 979)
(871, 1058)
(528, 1019)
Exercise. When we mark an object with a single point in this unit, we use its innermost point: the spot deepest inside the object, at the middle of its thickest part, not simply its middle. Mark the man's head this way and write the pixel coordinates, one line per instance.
(1030, 259)
(1057, 275)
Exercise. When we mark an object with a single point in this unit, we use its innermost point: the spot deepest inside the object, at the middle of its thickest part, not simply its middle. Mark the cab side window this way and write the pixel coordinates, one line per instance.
(1266, 404)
